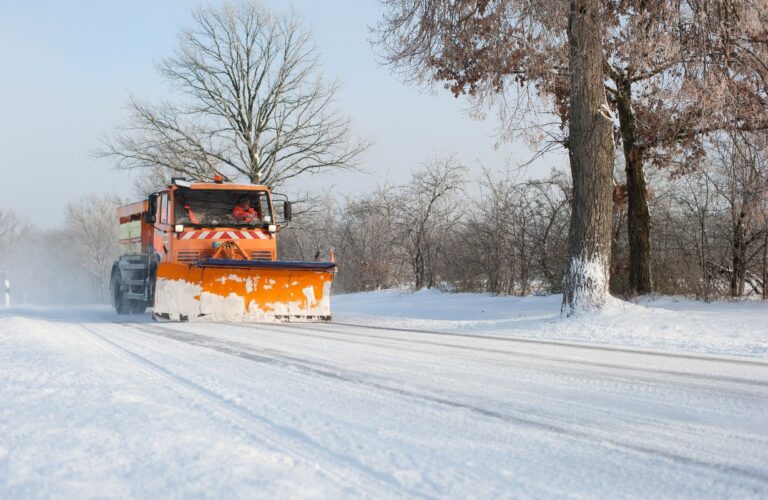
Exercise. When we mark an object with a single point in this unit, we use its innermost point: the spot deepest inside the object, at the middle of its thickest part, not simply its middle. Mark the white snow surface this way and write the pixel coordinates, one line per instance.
(666, 323)
(403, 395)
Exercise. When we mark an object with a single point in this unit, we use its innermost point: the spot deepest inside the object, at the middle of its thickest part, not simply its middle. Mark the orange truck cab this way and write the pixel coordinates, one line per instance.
(199, 250)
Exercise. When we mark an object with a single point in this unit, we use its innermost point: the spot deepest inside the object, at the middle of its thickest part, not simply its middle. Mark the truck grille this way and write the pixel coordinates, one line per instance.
(188, 256)
(261, 255)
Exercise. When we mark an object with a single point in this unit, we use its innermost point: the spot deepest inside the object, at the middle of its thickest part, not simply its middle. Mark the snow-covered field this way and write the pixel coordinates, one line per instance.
(405, 395)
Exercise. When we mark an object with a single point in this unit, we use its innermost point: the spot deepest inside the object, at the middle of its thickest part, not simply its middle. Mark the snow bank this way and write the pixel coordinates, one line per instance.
(666, 323)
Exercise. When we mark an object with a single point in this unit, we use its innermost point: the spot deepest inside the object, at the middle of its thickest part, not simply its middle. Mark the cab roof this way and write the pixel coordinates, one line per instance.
(225, 186)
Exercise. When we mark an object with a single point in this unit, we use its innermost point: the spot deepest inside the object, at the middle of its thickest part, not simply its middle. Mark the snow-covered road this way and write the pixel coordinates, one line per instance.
(92, 407)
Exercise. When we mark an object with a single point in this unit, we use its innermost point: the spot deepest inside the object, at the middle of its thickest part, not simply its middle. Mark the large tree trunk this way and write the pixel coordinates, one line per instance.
(638, 216)
(591, 156)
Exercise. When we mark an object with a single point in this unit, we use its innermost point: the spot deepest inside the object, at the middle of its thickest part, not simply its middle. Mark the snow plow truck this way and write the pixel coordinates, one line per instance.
(208, 251)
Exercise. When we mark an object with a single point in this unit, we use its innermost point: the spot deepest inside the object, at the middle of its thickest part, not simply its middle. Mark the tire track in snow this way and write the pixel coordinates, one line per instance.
(574, 370)
(235, 414)
(247, 352)
(568, 372)
(563, 378)
(311, 332)
(575, 345)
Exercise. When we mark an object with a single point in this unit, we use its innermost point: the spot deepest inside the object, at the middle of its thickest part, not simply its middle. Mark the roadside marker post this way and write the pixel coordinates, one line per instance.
(6, 289)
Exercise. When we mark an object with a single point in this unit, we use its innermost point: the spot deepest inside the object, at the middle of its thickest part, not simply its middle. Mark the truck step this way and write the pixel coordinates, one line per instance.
(132, 266)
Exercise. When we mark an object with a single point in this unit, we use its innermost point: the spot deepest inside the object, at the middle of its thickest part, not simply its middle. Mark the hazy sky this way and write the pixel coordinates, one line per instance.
(67, 68)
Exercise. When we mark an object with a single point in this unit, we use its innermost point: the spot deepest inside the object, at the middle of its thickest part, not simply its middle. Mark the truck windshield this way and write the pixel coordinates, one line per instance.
(216, 208)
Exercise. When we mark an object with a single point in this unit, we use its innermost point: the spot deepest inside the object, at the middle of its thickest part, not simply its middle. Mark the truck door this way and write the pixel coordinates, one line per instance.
(163, 227)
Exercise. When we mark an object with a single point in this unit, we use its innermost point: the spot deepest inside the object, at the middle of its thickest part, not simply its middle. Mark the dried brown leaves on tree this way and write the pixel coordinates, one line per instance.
(694, 67)
(674, 72)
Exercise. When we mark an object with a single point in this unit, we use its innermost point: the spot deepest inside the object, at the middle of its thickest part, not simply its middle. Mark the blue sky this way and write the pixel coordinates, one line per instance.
(69, 66)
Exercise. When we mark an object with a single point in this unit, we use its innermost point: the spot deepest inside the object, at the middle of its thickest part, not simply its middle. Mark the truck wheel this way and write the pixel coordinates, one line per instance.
(120, 303)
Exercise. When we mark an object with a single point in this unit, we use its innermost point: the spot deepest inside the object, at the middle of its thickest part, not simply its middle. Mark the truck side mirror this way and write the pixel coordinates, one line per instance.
(287, 210)
(151, 215)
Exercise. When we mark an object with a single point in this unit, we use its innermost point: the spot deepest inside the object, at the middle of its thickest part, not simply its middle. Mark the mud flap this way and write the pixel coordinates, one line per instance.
(237, 290)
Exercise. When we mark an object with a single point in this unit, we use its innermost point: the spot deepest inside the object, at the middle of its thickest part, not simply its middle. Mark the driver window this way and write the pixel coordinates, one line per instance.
(179, 211)
(263, 203)
(164, 208)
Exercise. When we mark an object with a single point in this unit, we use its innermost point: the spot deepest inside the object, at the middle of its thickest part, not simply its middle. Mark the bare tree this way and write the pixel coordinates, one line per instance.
(710, 224)
(740, 178)
(515, 237)
(11, 225)
(91, 238)
(309, 235)
(253, 104)
(551, 199)
(368, 243)
(427, 210)
(491, 233)
(686, 235)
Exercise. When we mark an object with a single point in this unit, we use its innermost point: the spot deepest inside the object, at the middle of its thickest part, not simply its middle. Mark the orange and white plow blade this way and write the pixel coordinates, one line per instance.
(243, 293)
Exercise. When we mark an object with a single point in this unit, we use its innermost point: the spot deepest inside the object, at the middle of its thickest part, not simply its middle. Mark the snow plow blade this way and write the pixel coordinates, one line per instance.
(242, 290)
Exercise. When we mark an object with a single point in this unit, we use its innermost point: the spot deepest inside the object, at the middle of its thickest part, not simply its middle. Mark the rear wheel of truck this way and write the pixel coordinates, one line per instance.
(119, 302)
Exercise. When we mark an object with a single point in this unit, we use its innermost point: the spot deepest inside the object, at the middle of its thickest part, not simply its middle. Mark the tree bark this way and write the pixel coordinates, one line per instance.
(591, 155)
(765, 262)
(418, 268)
(738, 258)
(638, 215)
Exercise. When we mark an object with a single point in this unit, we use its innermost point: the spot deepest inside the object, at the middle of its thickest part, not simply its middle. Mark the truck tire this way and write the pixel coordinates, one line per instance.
(120, 303)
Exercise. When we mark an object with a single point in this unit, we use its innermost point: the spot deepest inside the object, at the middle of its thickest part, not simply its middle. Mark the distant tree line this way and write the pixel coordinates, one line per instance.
(496, 232)
(710, 237)
(66, 264)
